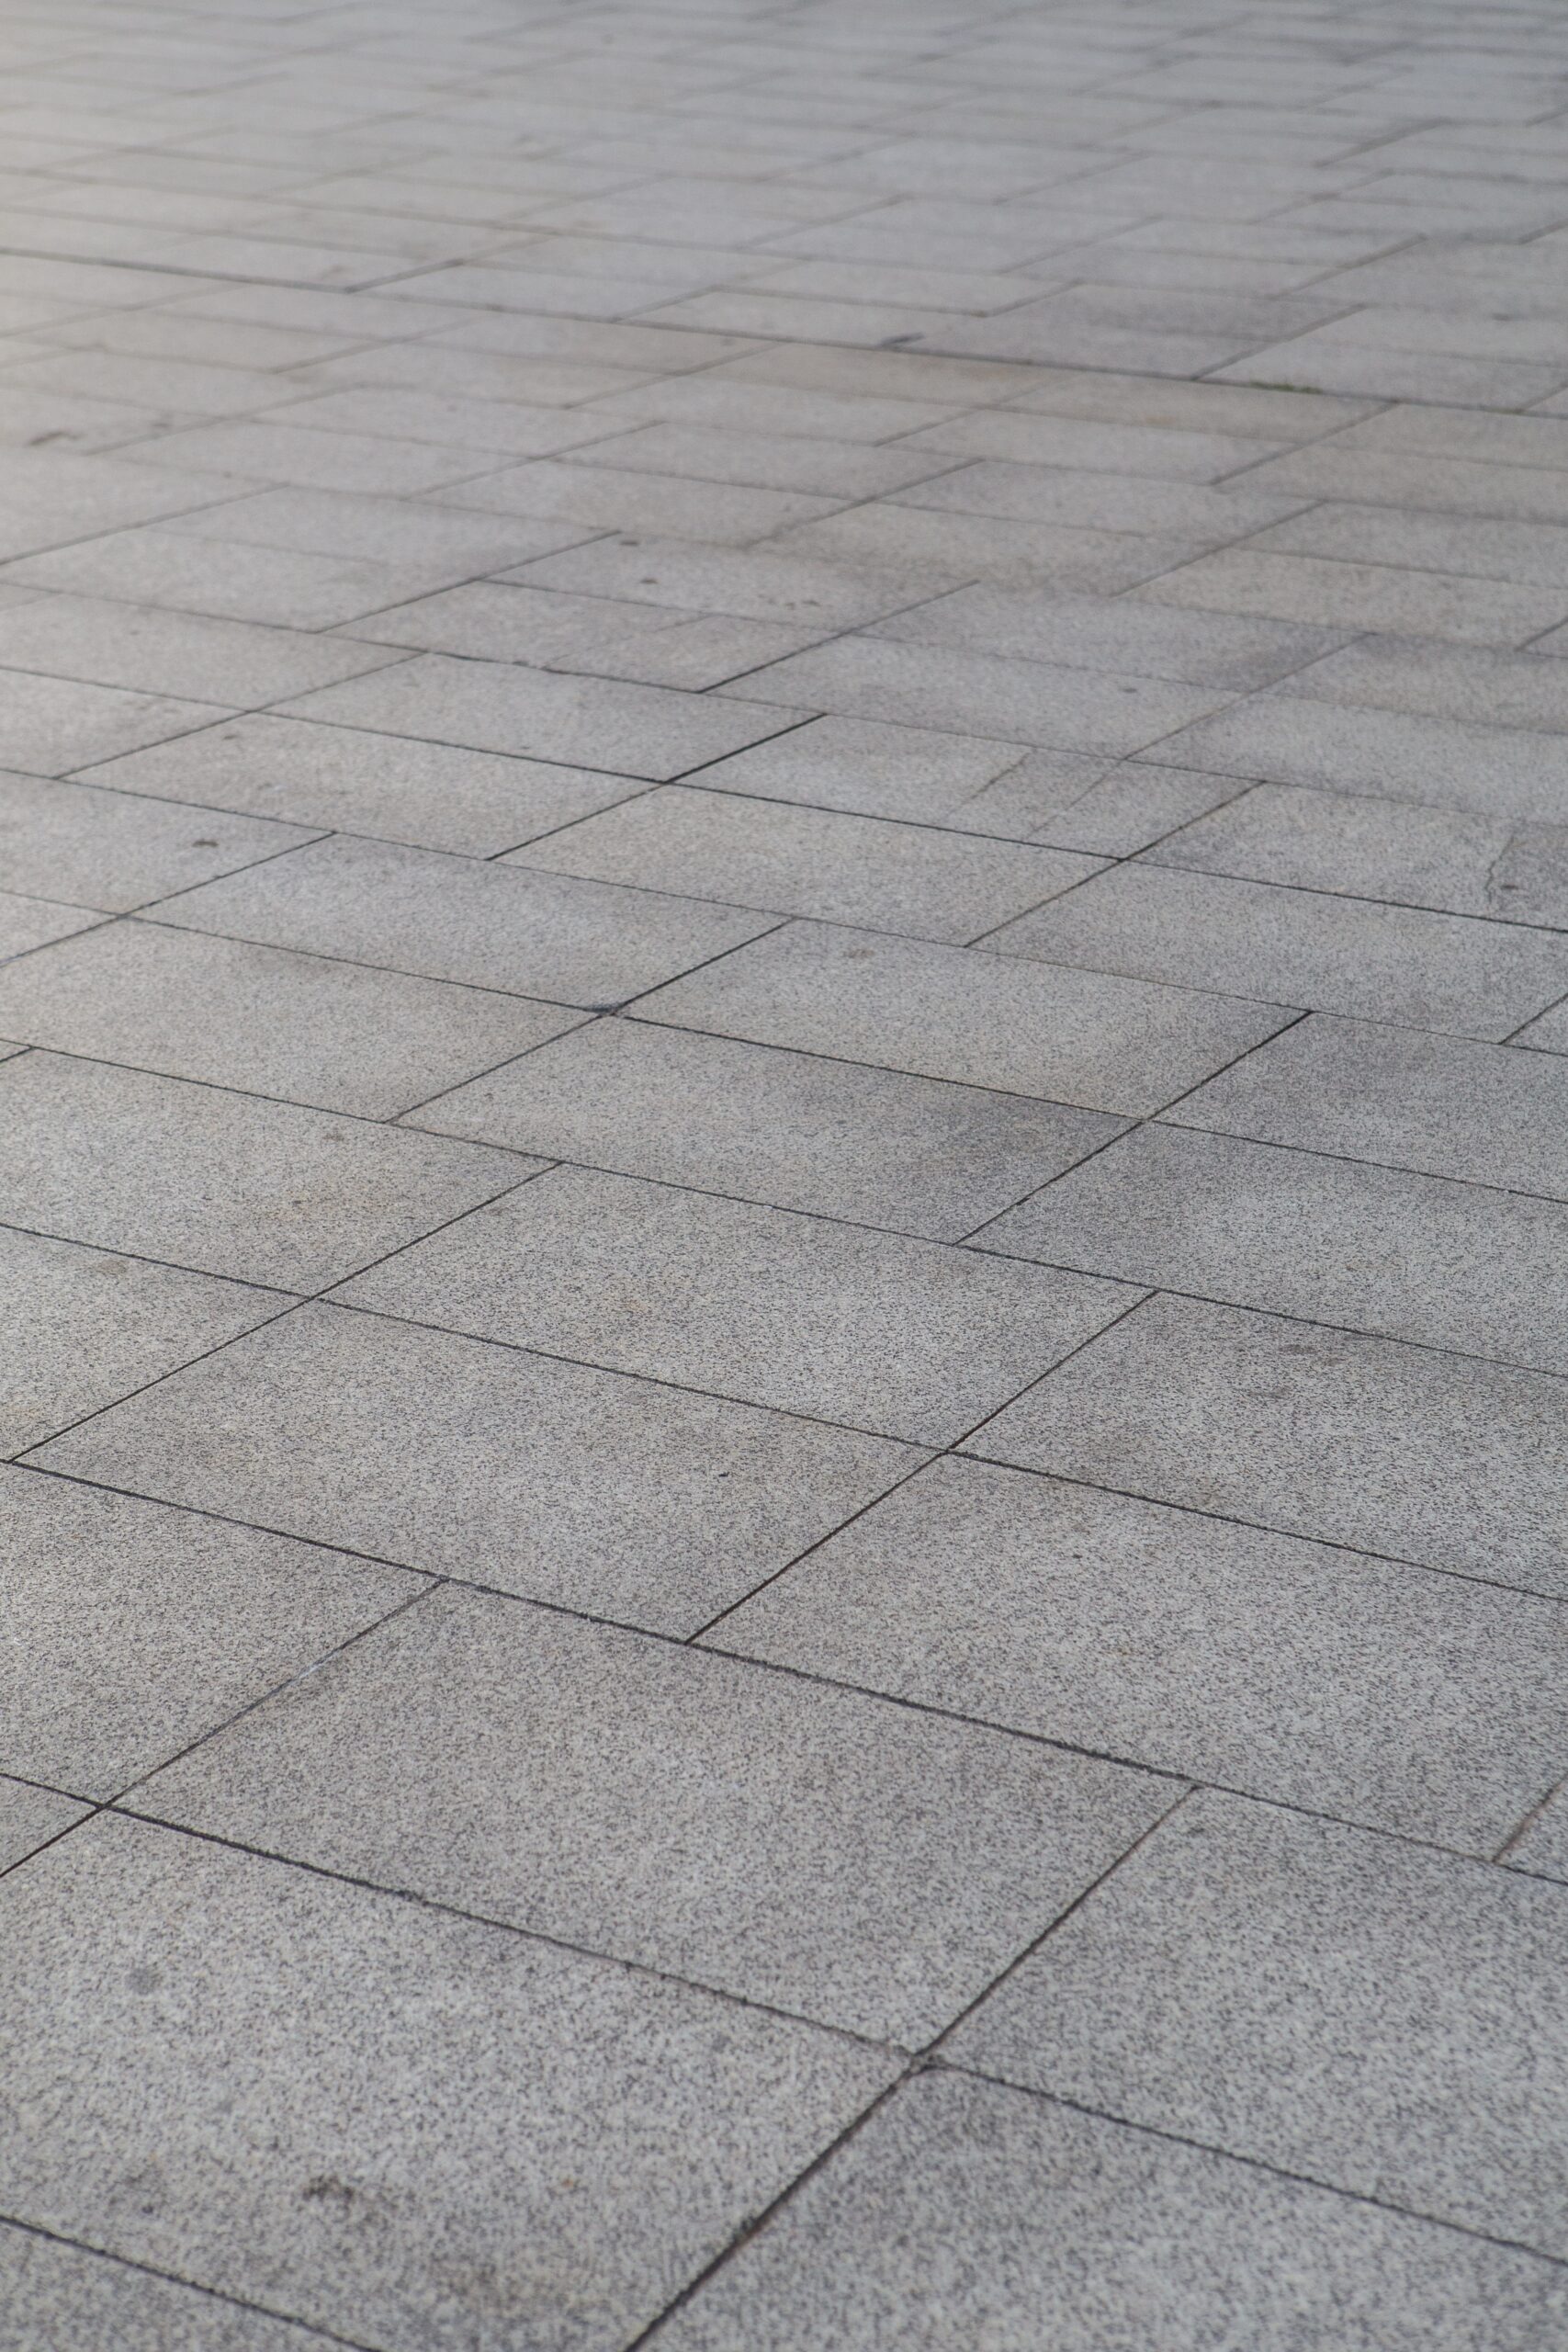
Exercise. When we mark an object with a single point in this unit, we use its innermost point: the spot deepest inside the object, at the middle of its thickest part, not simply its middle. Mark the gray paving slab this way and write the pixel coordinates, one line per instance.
(967, 2212)
(84, 1327)
(49, 726)
(53, 2293)
(1096, 633)
(1307, 948)
(303, 1027)
(1350, 2008)
(27, 924)
(1446, 1106)
(825, 865)
(113, 644)
(1392, 850)
(203, 1177)
(543, 714)
(31, 1817)
(1436, 1459)
(870, 769)
(223, 2018)
(872, 1330)
(133, 1629)
(502, 927)
(1337, 592)
(429, 794)
(117, 849)
(1413, 1257)
(797, 1131)
(1096, 1040)
(622, 1497)
(1548, 1035)
(758, 584)
(1314, 1677)
(820, 1851)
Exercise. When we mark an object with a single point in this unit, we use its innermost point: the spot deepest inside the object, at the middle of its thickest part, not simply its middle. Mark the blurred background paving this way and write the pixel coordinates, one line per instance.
(784, 1176)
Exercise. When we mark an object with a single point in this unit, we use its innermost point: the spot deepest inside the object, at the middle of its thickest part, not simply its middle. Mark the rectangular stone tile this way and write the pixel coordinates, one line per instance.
(791, 1130)
(49, 726)
(1122, 807)
(426, 794)
(1470, 685)
(758, 584)
(811, 1848)
(787, 460)
(612, 497)
(301, 1027)
(29, 1818)
(1114, 633)
(491, 926)
(50, 2291)
(1363, 596)
(966, 2212)
(1488, 1114)
(1085, 500)
(623, 1498)
(931, 550)
(241, 2031)
(1436, 1459)
(1392, 850)
(147, 650)
(294, 457)
(1097, 1040)
(27, 924)
(1287, 738)
(81, 1327)
(1370, 1249)
(810, 1317)
(1481, 547)
(540, 714)
(1093, 443)
(339, 521)
(822, 864)
(1547, 1036)
(978, 693)
(1303, 947)
(870, 769)
(116, 850)
(1346, 2007)
(136, 1629)
(1430, 477)
(203, 1178)
(51, 497)
(450, 420)
(1437, 1707)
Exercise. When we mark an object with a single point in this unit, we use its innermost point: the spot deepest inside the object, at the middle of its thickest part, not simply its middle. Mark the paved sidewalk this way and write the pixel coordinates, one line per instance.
(784, 1177)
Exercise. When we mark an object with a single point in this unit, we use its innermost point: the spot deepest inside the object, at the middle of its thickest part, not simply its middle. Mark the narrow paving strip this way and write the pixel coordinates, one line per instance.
(784, 1176)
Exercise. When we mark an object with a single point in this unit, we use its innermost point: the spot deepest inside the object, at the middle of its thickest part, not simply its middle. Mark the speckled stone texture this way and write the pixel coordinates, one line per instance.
(784, 1177)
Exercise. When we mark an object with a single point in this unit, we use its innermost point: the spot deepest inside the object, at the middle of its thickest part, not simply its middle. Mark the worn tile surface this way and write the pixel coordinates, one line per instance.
(783, 866)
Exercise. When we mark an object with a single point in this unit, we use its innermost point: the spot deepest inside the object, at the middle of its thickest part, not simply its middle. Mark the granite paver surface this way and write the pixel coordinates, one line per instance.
(784, 1176)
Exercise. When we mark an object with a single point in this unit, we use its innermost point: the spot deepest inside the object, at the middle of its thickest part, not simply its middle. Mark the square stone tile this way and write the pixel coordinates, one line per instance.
(133, 1630)
(235, 2036)
(811, 861)
(323, 1033)
(820, 1851)
(794, 1130)
(1488, 1114)
(905, 1337)
(53, 2292)
(114, 849)
(83, 1327)
(202, 1177)
(500, 927)
(1298, 1233)
(1346, 2007)
(965, 2213)
(544, 715)
(622, 1497)
(1408, 1702)
(1097, 1040)
(1436, 1459)
(1300, 947)
(426, 794)
(29, 1818)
